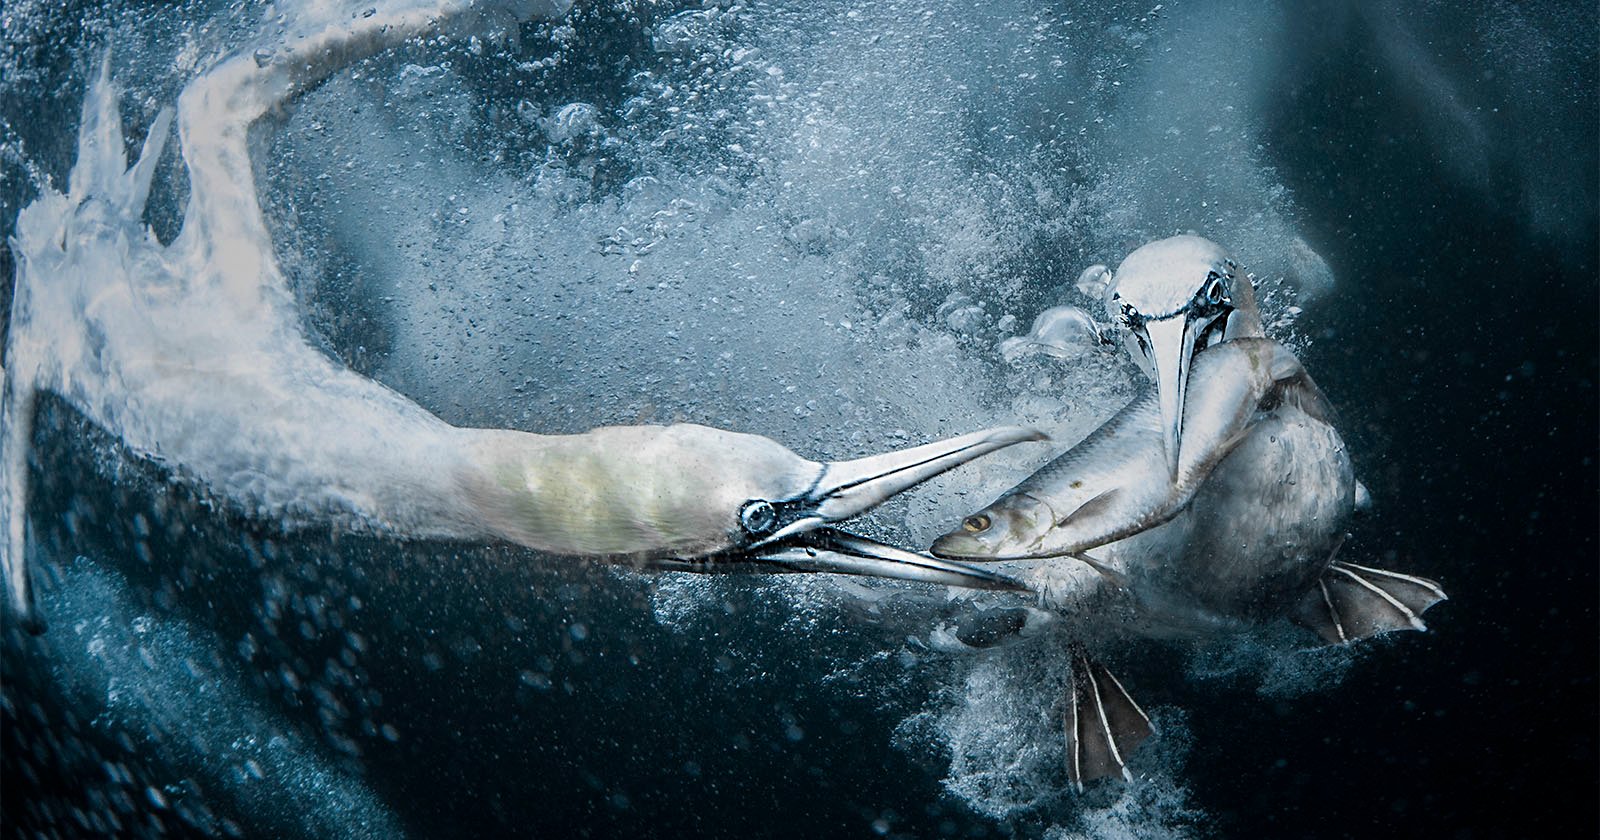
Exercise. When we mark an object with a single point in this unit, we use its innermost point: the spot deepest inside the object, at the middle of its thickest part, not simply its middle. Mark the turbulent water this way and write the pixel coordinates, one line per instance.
(831, 224)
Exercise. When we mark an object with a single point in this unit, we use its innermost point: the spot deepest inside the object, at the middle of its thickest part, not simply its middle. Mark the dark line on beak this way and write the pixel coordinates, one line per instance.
(858, 482)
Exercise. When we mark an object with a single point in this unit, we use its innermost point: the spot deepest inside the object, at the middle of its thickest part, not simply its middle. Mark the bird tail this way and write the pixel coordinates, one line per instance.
(1353, 602)
(1103, 724)
(16, 435)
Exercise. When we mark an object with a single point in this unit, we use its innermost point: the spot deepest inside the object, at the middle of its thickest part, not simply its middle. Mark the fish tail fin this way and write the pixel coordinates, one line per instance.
(1353, 602)
(1103, 723)
(1364, 503)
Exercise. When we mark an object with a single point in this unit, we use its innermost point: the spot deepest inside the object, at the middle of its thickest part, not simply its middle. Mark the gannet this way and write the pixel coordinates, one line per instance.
(1214, 501)
(193, 355)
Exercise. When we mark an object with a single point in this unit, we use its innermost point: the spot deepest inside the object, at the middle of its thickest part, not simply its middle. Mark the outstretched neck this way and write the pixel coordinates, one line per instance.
(507, 480)
(622, 492)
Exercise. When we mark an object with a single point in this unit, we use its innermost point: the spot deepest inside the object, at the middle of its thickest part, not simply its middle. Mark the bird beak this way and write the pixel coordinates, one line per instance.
(846, 489)
(1172, 343)
(831, 551)
(804, 542)
(834, 551)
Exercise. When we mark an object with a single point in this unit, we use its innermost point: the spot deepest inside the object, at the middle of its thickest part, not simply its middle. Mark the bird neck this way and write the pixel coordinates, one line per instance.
(510, 483)
(619, 491)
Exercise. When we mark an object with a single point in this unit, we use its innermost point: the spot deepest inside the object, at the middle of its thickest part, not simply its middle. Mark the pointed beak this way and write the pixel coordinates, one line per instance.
(831, 551)
(847, 489)
(844, 489)
(1171, 347)
(836, 552)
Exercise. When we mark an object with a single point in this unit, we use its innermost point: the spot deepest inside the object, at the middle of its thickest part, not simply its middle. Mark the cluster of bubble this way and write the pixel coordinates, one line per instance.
(175, 688)
(821, 223)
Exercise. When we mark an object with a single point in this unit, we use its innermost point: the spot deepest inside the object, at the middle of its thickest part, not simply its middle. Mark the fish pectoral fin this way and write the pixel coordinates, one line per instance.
(1353, 602)
(1097, 506)
(1103, 724)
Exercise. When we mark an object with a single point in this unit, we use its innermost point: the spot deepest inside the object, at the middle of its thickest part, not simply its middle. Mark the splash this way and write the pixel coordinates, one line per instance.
(812, 222)
(1000, 721)
(192, 353)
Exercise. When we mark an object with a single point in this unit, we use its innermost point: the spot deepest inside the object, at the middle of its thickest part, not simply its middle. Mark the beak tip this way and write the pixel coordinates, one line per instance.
(853, 487)
(1031, 435)
(1007, 435)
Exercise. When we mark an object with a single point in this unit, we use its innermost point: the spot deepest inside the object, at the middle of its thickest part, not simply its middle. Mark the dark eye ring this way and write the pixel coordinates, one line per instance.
(1215, 292)
(976, 523)
(1131, 317)
(758, 517)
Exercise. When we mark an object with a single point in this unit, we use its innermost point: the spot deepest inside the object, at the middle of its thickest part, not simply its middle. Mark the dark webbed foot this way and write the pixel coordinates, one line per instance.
(1103, 723)
(1353, 602)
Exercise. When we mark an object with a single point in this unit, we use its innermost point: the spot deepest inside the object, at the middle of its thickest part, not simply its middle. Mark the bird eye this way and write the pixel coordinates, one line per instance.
(1131, 317)
(758, 518)
(975, 523)
(1215, 292)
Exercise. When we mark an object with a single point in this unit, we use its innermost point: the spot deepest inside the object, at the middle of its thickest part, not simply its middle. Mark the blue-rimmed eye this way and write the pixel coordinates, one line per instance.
(758, 518)
(1215, 293)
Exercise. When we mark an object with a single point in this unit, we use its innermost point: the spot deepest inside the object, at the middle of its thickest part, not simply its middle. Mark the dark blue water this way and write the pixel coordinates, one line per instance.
(1461, 348)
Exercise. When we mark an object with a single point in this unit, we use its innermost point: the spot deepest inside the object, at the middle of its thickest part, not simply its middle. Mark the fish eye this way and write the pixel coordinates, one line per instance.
(758, 518)
(976, 523)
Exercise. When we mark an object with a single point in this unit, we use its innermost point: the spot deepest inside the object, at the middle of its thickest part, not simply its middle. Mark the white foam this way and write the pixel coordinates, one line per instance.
(822, 245)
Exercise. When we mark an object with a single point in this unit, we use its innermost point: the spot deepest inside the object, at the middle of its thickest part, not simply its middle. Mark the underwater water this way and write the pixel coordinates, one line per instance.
(821, 223)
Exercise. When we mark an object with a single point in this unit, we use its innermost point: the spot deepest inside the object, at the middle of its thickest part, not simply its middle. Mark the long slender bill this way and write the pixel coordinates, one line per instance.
(1171, 347)
(827, 550)
(850, 488)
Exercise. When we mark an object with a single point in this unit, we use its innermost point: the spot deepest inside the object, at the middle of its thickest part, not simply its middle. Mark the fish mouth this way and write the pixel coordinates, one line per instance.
(958, 545)
(1001, 532)
(961, 547)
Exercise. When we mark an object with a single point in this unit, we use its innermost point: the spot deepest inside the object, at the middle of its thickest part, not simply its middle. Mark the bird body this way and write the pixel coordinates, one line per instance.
(1263, 494)
(1214, 501)
(193, 354)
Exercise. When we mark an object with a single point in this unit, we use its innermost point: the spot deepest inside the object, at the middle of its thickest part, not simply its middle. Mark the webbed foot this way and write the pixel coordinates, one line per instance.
(1103, 723)
(1353, 602)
